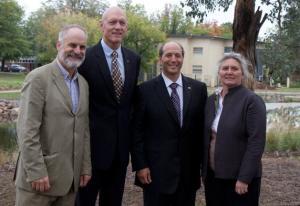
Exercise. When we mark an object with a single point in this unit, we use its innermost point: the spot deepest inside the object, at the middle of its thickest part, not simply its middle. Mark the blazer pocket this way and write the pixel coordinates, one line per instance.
(51, 165)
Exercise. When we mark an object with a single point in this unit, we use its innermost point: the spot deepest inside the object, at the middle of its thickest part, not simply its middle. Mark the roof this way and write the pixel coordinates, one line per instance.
(197, 36)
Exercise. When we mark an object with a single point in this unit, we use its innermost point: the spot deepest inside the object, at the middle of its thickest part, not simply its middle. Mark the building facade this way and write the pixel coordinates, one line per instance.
(202, 54)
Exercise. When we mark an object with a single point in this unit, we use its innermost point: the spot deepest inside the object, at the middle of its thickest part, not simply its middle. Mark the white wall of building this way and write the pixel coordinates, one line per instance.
(212, 52)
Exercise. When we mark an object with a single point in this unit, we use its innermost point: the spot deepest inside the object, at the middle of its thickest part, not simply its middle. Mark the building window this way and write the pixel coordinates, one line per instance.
(197, 72)
(198, 50)
(227, 49)
(197, 69)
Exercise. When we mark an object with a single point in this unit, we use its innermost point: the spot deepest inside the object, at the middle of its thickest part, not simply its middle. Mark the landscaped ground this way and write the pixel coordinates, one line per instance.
(280, 184)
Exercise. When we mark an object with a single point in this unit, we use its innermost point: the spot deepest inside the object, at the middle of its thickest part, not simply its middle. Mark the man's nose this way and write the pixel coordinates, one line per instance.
(77, 49)
(173, 58)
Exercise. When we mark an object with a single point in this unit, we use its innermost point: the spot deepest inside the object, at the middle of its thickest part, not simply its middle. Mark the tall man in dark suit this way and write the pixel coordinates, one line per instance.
(168, 130)
(111, 72)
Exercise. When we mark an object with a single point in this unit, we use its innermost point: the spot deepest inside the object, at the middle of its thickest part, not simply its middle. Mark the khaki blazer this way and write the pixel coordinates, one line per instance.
(53, 141)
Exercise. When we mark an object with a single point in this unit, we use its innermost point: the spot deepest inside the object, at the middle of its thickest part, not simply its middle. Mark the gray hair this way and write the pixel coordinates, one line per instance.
(64, 30)
(239, 58)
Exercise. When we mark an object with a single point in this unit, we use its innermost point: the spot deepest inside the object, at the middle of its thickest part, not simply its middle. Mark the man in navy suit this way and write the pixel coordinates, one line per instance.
(111, 72)
(168, 129)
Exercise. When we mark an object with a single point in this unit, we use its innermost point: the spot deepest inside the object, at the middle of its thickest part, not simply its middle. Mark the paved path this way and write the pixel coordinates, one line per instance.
(10, 91)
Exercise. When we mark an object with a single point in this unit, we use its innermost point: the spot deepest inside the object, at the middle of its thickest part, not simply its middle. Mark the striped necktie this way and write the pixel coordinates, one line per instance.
(175, 100)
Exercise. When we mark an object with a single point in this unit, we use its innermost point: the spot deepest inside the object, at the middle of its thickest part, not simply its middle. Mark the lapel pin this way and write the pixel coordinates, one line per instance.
(189, 88)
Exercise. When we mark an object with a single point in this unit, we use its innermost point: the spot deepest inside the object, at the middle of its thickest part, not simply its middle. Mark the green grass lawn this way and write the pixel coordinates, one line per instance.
(10, 95)
(284, 89)
(10, 80)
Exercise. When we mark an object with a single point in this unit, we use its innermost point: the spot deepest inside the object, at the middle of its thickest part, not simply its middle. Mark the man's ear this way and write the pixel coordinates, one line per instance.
(101, 25)
(58, 45)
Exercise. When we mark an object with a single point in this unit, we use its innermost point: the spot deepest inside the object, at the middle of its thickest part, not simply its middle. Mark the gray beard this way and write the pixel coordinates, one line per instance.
(70, 64)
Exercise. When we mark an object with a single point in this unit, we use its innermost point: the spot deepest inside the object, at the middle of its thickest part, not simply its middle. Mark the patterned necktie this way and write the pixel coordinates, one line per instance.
(116, 75)
(175, 100)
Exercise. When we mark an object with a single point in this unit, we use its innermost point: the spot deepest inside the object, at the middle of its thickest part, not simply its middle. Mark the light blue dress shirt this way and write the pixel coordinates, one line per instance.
(73, 86)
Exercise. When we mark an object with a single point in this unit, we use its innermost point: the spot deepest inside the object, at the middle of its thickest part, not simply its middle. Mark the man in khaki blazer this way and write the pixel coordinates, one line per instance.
(53, 127)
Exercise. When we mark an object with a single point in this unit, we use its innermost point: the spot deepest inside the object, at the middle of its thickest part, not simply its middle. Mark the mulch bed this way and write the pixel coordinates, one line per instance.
(280, 183)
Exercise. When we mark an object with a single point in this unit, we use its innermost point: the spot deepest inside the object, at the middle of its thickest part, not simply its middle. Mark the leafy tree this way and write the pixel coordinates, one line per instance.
(92, 8)
(276, 13)
(276, 57)
(12, 40)
(143, 36)
(213, 29)
(282, 48)
(200, 8)
(291, 25)
(226, 30)
(173, 21)
(45, 45)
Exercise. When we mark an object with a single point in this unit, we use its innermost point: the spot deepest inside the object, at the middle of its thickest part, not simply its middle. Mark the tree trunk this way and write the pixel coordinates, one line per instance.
(2, 64)
(246, 26)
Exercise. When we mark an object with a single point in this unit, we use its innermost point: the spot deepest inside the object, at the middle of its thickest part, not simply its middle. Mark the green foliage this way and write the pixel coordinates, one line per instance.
(276, 57)
(42, 23)
(291, 32)
(8, 137)
(11, 80)
(173, 21)
(282, 48)
(10, 95)
(283, 140)
(143, 36)
(91, 8)
(12, 39)
(200, 9)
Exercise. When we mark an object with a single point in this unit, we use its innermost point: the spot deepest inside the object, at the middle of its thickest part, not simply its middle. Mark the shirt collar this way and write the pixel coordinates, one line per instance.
(65, 73)
(107, 50)
(168, 81)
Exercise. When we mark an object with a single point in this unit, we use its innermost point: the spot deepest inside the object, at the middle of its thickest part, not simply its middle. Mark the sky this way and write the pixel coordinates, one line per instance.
(153, 6)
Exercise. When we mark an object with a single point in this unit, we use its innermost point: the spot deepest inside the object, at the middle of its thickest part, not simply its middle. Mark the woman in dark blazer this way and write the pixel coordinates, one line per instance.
(235, 133)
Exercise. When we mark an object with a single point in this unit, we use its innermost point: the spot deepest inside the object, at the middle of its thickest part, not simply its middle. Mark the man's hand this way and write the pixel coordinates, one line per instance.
(41, 185)
(241, 187)
(144, 176)
(84, 179)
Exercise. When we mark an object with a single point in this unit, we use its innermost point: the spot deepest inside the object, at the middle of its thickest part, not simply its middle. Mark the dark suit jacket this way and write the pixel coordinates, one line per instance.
(170, 151)
(241, 135)
(109, 120)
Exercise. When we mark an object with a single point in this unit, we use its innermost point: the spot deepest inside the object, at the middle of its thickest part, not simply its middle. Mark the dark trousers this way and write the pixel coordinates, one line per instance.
(108, 183)
(221, 192)
(184, 196)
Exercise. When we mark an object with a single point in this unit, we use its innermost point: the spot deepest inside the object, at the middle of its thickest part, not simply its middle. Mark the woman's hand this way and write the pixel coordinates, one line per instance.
(241, 187)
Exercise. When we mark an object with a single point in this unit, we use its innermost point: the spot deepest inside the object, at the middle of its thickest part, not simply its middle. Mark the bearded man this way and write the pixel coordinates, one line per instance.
(53, 127)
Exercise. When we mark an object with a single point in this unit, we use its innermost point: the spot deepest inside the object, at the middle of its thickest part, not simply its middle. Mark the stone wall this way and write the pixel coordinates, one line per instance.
(8, 111)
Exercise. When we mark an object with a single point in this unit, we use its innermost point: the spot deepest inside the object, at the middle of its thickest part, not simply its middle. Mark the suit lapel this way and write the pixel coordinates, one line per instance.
(61, 84)
(128, 74)
(104, 69)
(187, 89)
(165, 97)
(81, 94)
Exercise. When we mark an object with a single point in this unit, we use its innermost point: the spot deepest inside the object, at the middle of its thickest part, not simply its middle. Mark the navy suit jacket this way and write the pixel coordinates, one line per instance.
(171, 152)
(109, 120)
